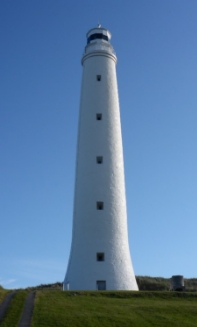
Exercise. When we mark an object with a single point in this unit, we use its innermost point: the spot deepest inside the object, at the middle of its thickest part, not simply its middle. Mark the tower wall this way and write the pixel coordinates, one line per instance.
(99, 231)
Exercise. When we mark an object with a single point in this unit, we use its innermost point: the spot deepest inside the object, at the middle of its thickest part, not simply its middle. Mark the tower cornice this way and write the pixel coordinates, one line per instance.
(99, 53)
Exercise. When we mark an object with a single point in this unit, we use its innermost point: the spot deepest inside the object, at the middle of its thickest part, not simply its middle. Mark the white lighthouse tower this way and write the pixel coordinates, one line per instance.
(99, 257)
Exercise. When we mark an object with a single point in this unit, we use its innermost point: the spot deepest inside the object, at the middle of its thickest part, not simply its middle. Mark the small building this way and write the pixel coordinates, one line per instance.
(177, 283)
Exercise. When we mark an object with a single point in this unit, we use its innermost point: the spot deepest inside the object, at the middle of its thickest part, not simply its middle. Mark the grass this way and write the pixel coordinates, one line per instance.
(15, 309)
(54, 308)
(114, 309)
(2, 294)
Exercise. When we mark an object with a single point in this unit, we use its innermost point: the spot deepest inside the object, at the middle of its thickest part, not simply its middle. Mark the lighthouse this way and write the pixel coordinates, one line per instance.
(99, 256)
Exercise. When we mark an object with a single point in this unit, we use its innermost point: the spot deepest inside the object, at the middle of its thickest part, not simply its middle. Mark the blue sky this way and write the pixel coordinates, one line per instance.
(42, 42)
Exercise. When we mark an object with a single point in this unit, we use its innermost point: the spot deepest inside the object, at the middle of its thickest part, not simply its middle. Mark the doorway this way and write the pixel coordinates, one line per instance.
(101, 285)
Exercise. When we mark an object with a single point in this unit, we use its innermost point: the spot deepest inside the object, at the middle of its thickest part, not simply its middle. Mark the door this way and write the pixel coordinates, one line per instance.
(101, 285)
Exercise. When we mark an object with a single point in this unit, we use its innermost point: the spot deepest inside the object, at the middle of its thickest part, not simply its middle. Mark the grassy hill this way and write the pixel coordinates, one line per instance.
(2, 293)
(54, 308)
(15, 309)
(148, 308)
(115, 309)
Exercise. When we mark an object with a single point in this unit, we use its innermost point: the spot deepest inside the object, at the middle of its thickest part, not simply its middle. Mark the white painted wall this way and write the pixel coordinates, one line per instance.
(99, 230)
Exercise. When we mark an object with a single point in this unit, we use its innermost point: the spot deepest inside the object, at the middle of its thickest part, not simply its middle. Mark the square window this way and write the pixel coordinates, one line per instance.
(99, 205)
(98, 116)
(99, 160)
(98, 77)
(100, 256)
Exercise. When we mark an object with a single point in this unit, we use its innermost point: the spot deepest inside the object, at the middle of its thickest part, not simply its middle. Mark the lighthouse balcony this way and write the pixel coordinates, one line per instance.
(101, 46)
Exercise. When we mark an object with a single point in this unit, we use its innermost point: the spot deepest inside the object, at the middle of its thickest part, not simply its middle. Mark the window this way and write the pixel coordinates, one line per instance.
(98, 77)
(99, 205)
(100, 256)
(98, 116)
(99, 160)
(97, 36)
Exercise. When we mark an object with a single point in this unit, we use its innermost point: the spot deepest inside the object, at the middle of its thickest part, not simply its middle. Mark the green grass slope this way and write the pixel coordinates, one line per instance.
(15, 309)
(2, 294)
(114, 309)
